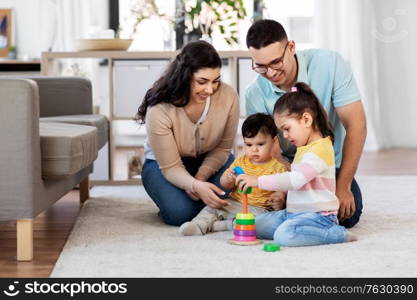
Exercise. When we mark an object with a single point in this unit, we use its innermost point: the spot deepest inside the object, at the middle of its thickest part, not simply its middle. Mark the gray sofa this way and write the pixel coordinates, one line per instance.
(49, 139)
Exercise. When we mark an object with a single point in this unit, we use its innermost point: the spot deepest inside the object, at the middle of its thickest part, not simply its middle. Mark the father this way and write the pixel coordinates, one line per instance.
(279, 66)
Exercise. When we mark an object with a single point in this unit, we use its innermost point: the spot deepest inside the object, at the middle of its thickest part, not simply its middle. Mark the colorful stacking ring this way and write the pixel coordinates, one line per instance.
(245, 227)
(244, 232)
(244, 238)
(249, 216)
(245, 222)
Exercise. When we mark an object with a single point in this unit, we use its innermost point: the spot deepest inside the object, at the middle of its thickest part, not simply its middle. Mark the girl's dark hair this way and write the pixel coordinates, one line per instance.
(259, 123)
(174, 85)
(304, 100)
(265, 32)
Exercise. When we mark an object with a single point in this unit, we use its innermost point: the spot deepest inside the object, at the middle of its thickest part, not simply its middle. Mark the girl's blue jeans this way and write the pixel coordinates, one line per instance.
(175, 206)
(299, 229)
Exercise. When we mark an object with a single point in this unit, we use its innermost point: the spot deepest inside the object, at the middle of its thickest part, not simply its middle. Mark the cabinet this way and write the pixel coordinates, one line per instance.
(132, 78)
(130, 74)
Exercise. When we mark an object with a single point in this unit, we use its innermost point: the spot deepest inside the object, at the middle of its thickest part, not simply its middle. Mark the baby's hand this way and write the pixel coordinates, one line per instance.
(229, 176)
(277, 201)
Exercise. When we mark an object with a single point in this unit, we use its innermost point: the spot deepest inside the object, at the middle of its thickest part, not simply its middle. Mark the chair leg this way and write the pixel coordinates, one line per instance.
(24, 233)
(84, 190)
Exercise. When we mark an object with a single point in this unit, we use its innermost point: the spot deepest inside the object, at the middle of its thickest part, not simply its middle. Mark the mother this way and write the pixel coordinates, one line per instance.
(191, 121)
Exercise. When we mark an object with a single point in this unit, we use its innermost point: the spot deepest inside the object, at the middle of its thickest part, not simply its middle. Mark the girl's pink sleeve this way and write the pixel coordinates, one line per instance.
(275, 182)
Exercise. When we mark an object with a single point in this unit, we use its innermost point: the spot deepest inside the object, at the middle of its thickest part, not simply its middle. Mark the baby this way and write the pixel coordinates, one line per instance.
(259, 135)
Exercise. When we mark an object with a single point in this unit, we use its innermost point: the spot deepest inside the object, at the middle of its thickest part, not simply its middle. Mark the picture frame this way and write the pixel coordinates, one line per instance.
(5, 31)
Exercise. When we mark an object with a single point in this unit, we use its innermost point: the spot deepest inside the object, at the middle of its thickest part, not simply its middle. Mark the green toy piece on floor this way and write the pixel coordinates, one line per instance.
(271, 247)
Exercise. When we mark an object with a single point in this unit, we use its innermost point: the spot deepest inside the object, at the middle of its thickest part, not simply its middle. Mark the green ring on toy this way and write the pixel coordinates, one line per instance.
(248, 191)
(249, 216)
(238, 170)
(245, 222)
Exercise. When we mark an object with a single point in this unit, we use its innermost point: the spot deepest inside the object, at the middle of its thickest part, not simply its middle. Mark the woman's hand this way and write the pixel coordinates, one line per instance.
(207, 193)
(245, 181)
(192, 195)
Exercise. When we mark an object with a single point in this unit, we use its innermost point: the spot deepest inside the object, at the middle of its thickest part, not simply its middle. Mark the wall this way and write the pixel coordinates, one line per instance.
(379, 39)
(396, 34)
(44, 24)
(26, 20)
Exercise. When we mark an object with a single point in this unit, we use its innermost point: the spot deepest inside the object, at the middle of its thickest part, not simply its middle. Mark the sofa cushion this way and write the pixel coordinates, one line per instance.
(66, 148)
(98, 121)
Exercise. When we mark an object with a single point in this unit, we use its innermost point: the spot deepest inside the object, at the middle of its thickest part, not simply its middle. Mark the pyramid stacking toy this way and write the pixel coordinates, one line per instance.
(245, 230)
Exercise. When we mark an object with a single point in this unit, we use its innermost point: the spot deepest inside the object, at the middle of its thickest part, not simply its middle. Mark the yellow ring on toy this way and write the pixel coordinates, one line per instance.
(248, 216)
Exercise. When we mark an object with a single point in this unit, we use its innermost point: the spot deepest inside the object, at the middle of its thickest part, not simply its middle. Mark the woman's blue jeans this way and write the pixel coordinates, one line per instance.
(299, 229)
(175, 206)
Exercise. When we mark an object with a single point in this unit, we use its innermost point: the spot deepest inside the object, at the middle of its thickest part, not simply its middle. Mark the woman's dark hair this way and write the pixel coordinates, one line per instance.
(265, 32)
(259, 122)
(174, 85)
(304, 100)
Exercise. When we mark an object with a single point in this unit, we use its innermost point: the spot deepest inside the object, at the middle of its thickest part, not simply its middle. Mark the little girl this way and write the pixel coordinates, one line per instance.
(311, 214)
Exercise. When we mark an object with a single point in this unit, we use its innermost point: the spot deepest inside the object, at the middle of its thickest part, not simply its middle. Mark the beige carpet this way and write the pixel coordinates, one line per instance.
(118, 234)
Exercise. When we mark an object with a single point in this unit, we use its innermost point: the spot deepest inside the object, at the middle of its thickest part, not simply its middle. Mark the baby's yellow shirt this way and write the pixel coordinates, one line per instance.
(257, 197)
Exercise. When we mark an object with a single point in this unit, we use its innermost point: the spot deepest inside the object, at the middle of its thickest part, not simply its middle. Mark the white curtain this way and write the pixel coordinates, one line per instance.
(63, 21)
(378, 38)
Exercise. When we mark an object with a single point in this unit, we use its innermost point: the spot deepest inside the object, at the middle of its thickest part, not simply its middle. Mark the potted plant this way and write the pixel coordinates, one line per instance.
(144, 9)
(195, 18)
(12, 54)
(207, 15)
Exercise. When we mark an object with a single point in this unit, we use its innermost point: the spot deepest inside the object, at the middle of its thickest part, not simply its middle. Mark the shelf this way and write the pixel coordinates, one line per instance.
(14, 65)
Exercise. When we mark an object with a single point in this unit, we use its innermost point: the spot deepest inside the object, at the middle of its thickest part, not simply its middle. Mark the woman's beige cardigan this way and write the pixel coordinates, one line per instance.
(172, 135)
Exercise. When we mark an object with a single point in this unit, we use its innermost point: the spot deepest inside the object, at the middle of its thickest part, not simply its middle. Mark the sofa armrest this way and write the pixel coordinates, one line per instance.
(20, 157)
(60, 96)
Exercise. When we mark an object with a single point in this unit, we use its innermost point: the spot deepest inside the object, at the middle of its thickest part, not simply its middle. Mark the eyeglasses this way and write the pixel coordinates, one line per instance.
(276, 64)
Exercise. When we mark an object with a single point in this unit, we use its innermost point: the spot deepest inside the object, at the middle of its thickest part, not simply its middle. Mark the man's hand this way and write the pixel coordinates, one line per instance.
(277, 200)
(353, 119)
(347, 203)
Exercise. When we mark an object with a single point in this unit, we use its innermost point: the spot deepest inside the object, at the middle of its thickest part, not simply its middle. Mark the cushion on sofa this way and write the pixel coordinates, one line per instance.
(66, 148)
(98, 121)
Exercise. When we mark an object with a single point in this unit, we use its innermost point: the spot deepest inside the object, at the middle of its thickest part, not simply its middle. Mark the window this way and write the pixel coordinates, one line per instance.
(296, 16)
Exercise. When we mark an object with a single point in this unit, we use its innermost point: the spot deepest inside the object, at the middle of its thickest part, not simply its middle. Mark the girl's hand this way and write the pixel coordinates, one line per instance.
(245, 181)
(207, 193)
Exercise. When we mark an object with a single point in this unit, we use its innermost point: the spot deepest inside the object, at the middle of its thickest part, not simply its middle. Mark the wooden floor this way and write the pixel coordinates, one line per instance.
(53, 227)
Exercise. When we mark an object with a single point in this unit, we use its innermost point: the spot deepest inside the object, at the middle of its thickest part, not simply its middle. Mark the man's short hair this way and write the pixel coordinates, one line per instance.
(265, 32)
